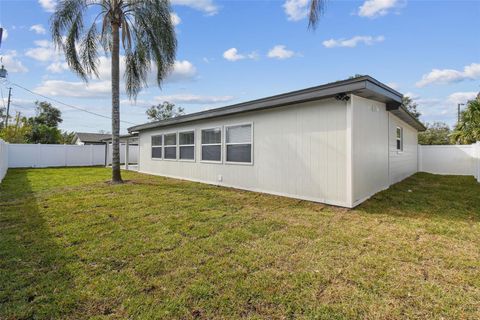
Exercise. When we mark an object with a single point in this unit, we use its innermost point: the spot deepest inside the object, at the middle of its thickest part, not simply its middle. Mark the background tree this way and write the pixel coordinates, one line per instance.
(165, 110)
(47, 114)
(18, 132)
(44, 126)
(411, 107)
(436, 133)
(2, 117)
(467, 131)
(146, 32)
(67, 137)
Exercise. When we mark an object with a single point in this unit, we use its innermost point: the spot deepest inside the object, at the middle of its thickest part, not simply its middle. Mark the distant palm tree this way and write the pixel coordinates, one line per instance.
(147, 34)
(316, 9)
(467, 130)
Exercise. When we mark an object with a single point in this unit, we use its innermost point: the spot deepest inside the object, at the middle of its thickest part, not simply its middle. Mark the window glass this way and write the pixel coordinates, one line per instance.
(170, 153)
(186, 138)
(239, 143)
(212, 136)
(212, 153)
(187, 153)
(156, 140)
(157, 152)
(170, 139)
(399, 139)
(239, 153)
(239, 134)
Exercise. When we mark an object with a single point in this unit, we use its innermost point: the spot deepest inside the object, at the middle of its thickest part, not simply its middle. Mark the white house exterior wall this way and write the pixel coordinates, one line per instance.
(299, 151)
(404, 163)
(369, 148)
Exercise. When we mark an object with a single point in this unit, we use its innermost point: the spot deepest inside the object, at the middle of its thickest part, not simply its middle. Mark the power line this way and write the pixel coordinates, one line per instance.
(66, 104)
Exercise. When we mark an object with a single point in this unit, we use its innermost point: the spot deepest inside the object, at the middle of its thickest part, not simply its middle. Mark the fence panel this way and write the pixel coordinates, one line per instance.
(3, 159)
(54, 155)
(133, 151)
(452, 159)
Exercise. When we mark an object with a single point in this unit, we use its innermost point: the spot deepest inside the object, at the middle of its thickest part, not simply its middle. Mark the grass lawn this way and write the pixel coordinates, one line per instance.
(75, 247)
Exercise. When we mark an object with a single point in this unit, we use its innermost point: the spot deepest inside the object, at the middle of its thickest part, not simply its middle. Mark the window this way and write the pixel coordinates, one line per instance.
(186, 141)
(239, 143)
(170, 146)
(399, 138)
(212, 144)
(157, 147)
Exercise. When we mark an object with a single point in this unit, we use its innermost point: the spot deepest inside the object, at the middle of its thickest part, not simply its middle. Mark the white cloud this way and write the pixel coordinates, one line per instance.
(233, 55)
(58, 67)
(12, 63)
(441, 109)
(375, 8)
(461, 97)
(74, 89)
(445, 76)
(193, 99)
(352, 42)
(44, 52)
(206, 6)
(296, 9)
(38, 29)
(48, 5)
(280, 52)
(175, 19)
(183, 70)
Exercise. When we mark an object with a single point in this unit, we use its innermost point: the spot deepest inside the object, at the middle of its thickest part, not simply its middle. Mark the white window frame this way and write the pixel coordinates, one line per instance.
(212, 144)
(152, 146)
(397, 139)
(187, 145)
(170, 145)
(238, 143)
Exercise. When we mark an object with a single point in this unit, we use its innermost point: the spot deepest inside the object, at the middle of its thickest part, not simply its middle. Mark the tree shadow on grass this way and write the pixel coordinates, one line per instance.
(424, 194)
(34, 280)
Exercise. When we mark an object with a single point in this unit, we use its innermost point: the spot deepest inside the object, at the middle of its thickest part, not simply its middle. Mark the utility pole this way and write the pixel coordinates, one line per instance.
(8, 105)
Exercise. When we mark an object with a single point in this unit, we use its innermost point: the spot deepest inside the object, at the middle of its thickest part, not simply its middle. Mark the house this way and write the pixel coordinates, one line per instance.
(338, 143)
(86, 138)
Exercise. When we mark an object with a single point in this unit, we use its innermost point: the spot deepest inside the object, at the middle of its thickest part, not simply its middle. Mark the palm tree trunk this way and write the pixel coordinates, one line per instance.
(116, 175)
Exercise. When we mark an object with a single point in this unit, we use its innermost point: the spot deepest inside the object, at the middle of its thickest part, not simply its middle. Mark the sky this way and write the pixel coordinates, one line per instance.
(234, 51)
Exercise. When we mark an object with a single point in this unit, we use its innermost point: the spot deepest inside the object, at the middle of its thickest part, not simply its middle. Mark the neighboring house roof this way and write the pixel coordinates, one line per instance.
(364, 86)
(92, 137)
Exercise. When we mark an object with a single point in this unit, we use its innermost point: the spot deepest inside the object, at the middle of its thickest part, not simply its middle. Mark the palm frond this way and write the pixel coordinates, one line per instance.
(316, 10)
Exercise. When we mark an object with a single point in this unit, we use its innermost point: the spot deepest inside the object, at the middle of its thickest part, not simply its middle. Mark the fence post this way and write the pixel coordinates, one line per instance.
(65, 155)
(477, 160)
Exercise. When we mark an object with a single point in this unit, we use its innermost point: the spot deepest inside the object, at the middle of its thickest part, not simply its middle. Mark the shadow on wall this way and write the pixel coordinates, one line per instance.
(34, 279)
(426, 195)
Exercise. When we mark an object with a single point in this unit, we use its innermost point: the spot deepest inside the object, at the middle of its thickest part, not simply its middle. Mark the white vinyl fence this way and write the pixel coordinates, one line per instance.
(3, 159)
(133, 151)
(54, 155)
(450, 159)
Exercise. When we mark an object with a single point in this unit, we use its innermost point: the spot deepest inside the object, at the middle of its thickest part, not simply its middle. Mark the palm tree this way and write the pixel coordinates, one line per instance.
(316, 10)
(467, 130)
(146, 32)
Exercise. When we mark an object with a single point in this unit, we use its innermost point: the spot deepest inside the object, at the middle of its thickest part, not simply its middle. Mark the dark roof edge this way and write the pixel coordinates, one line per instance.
(309, 94)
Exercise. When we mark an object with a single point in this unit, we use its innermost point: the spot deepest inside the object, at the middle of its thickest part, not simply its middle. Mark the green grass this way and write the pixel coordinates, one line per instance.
(75, 247)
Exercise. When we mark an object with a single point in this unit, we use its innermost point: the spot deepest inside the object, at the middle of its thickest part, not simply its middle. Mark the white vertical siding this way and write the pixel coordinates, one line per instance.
(402, 163)
(3, 159)
(369, 148)
(299, 151)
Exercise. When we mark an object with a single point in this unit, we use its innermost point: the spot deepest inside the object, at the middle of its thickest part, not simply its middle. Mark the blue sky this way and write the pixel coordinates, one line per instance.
(234, 51)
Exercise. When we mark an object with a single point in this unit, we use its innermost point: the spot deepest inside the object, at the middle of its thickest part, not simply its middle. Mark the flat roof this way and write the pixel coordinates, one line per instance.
(364, 86)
